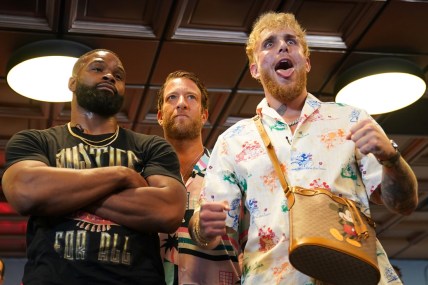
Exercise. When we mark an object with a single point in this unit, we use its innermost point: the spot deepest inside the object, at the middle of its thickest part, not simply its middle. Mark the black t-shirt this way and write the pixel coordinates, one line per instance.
(82, 248)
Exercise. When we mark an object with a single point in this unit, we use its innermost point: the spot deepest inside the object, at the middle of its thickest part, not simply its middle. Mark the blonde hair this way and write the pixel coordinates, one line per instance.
(272, 21)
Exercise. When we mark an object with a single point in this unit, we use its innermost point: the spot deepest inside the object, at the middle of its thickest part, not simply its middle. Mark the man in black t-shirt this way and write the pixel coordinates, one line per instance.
(97, 194)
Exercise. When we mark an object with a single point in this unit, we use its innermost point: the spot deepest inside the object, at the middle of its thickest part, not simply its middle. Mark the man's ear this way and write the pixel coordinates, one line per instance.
(72, 84)
(159, 117)
(254, 70)
(308, 65)
(204, 116)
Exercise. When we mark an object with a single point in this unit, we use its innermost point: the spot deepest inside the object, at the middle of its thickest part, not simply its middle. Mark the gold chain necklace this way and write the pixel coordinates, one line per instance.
(190, 167)
(93, 143)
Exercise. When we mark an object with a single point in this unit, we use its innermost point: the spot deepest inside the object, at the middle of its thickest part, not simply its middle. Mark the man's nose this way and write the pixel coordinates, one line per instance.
(283, 47)
(181, 102)
(109, 76)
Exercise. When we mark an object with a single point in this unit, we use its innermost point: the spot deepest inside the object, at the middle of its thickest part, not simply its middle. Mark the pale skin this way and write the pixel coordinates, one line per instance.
(399, 189)
(116, 193)
(182, 103)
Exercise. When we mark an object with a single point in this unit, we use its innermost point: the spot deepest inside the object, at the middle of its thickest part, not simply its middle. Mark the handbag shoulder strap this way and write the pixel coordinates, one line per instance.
(271, 152)
(360, 226)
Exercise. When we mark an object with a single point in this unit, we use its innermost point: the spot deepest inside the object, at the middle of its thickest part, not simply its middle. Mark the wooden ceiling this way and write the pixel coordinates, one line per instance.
(155, 37)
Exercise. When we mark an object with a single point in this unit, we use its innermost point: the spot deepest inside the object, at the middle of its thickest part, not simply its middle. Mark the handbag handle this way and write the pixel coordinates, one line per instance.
(271, 152)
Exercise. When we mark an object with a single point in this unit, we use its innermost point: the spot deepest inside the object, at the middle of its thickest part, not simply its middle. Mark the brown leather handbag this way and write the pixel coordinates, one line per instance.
(330, 239)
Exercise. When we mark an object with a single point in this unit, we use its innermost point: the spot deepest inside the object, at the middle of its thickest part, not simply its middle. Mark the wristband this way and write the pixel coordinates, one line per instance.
(391, 161)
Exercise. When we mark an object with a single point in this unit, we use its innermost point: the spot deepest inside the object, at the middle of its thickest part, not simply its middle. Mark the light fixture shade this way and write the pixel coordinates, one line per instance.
(41, 70)
(381, 85)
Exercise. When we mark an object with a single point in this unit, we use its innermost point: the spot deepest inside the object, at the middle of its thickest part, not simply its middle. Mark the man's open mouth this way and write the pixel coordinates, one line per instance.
(284, 68)
(283, 64)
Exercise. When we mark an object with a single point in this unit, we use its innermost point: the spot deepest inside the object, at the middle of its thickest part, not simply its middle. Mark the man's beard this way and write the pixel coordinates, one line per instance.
(100, 102)
(189, 130)
(284, 93)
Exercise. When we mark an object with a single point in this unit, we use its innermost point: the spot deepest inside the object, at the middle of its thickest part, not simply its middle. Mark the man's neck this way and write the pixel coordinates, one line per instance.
(189, 152)
(186, 147)
(90, 122)
(94, 125)
(295, 104)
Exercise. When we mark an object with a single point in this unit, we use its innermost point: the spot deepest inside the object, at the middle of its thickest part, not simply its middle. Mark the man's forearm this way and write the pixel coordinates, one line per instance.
(36, 189)
(146, 209)
(399, 189)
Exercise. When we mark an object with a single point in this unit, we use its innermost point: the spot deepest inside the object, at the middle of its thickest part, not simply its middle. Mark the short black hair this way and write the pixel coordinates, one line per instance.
(82, 59)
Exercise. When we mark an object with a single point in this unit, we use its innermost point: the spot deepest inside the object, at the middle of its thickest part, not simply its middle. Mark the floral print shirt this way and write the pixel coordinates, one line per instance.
(186, 263)
(317, 155)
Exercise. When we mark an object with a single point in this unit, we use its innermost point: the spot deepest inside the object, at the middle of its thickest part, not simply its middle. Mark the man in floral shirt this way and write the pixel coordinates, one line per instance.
(182, 113)
(326, 145)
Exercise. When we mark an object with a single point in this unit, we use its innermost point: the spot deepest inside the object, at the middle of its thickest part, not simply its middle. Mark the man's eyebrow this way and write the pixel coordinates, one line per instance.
(290, 36)
(269, 38)
(121, 69)
(97, 61)
(101, 61)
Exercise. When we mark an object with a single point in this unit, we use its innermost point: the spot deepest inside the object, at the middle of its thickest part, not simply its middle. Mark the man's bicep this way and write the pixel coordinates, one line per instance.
(162, 181)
